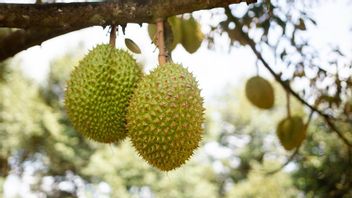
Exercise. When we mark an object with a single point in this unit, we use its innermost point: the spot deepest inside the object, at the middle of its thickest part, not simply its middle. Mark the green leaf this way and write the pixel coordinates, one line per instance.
(192, 36)
(131, 45)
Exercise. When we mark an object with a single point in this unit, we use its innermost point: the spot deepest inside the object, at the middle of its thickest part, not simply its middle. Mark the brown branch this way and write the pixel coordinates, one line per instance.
(286, 86)
(337, 131)
(45, 21)
(23, 39)
(80, 15)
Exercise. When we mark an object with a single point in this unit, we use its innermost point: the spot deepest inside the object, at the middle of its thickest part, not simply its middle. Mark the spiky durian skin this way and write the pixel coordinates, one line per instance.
(165, 117)
(98, 93)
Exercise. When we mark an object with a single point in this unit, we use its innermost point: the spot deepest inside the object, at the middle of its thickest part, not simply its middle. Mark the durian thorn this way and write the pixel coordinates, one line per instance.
(113, 36)
(161, 41)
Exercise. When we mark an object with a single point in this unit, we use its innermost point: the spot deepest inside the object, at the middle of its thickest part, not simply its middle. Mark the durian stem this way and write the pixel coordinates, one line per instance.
(161, 41)
(309, 118)
(288, 104)
(113, 36)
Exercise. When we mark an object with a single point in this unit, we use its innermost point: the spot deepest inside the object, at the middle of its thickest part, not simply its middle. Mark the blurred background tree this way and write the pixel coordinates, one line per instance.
(41, 155)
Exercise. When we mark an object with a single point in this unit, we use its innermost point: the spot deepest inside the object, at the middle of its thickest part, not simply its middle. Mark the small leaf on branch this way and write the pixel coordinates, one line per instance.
(192, 36)
(131, 45)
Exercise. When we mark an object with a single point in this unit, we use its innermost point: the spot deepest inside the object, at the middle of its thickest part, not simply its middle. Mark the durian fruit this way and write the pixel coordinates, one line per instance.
(98, 93)
(165, 117)
(291, 131)
(260, 92)
(192, 35)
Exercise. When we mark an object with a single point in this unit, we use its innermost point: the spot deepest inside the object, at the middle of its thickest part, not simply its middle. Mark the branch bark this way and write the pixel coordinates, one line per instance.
(41, 22)
(64, 15)
(23, 39)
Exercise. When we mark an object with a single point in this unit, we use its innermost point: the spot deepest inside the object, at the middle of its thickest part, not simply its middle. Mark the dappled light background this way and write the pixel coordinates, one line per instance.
(41, 155)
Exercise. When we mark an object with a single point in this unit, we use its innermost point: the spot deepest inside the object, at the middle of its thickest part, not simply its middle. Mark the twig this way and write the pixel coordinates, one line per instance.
(338, 132)
(288, 104)
(310, 117)
(285, 164)
(161, 41)
(112, 40)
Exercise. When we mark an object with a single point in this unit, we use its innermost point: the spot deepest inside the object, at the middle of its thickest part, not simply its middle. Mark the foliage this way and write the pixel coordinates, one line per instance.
(22, 123)
(260, 185)
(324, 166)
(249, 142)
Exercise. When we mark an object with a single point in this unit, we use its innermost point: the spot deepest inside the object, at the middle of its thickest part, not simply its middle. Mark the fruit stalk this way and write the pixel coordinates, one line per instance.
(161, 41)
(113, 36)
(288, 104)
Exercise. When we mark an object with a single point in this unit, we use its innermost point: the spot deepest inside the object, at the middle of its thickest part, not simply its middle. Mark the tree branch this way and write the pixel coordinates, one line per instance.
(337, 131)
(286, 86)
(23, 39)
(284, 164)
(45, 21)
(80, 15)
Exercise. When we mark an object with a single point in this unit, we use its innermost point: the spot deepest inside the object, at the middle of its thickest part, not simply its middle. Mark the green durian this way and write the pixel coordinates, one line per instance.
(260, 92)
(192, 36)
(291, 132)
(165, 117)
(98, 93)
